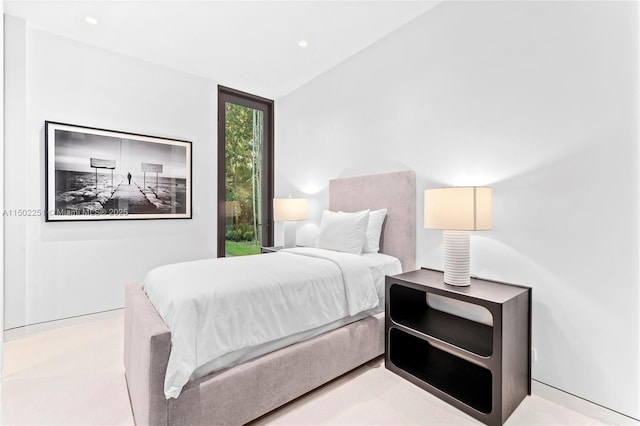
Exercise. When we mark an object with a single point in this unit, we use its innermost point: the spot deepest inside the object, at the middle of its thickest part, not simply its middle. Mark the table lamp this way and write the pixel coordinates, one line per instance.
(457, 211)
(289, 210)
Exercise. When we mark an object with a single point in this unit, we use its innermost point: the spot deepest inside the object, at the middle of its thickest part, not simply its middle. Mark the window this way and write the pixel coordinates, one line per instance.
(245, 172)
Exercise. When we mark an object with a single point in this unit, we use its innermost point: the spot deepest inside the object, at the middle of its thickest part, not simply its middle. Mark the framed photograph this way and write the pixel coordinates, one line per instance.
(97, 174)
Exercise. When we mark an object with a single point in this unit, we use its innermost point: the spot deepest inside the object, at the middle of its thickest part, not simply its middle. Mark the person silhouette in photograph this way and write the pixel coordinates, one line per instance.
(129, 178)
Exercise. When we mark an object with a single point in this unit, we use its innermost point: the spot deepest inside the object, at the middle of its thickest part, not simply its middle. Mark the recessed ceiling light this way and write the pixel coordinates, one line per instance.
(302, 43)
(91, 20)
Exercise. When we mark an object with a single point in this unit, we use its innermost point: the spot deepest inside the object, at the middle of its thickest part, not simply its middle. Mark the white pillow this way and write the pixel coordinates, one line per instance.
(343, 231)
(374, 230)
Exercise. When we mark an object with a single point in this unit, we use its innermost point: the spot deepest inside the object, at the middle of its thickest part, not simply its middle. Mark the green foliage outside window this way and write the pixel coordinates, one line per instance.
(244, 130)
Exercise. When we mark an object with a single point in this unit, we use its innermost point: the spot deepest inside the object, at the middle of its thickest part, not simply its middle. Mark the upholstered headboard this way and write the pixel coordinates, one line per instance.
(394, 191)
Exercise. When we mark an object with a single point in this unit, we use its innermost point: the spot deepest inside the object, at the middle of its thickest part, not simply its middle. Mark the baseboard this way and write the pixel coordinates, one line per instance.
(581, 406)
(19, 332)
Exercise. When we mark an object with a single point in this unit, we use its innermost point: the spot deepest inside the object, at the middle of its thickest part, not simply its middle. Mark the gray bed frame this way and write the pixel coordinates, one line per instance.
(247, 391)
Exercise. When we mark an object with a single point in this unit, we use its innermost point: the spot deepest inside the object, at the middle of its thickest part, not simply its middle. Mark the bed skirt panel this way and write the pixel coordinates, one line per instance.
(249, 390)
(147, 343)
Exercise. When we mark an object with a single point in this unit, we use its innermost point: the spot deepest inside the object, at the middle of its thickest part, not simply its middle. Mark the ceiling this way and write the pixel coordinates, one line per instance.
(251, 46)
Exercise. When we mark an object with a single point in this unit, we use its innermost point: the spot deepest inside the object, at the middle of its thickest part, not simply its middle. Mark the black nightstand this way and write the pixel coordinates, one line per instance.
(271, 249)
(483, 370)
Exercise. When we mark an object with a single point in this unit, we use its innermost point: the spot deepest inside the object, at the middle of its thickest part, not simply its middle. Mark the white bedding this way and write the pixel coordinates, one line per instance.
(217, 308)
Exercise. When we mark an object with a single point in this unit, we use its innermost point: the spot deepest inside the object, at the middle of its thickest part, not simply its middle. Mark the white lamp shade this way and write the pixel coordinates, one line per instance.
(289, 209)
(458, 209)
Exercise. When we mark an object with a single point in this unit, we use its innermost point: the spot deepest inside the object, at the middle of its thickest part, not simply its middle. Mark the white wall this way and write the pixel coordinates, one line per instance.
(58, 270)
(538, 100)
(1, 187)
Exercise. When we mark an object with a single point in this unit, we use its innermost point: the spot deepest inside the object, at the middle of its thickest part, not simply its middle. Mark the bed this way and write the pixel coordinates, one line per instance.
(244, 392)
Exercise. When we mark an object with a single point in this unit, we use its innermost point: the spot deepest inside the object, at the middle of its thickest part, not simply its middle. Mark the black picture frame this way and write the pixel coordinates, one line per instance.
(99, 174)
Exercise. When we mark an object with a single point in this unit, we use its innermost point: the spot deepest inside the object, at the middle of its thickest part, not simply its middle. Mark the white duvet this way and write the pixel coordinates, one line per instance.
(216, 306)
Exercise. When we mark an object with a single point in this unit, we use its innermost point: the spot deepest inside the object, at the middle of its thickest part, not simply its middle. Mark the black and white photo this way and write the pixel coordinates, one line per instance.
(97, 174)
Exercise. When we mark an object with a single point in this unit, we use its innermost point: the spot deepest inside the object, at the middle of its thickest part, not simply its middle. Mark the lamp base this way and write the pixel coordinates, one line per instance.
(290, 234)
(456, 258)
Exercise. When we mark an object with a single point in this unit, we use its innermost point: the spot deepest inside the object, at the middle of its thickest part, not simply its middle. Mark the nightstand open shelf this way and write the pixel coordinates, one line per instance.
(409, 308)
(484, 370)
(465, 381)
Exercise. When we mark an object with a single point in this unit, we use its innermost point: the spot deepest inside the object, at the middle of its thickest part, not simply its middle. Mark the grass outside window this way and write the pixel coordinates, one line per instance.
(241, 248)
